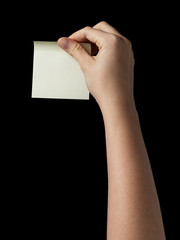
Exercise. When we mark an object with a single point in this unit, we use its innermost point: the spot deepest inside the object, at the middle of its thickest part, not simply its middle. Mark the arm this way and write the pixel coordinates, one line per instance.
(133, 206)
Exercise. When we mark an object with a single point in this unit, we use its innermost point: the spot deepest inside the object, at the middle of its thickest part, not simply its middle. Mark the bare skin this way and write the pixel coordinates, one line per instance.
(133, 206)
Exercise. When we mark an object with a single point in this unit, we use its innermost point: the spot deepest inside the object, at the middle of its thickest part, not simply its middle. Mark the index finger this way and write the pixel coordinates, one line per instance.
(93, 35)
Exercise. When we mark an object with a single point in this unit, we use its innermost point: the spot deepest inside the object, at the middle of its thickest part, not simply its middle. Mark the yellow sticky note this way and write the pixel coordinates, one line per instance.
(56, 74)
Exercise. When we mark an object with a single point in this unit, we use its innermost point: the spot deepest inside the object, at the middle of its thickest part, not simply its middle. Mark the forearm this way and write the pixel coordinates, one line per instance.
(133, 206)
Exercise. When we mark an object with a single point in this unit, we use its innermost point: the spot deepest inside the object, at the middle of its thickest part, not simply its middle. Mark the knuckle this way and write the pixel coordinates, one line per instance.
(87, 28)
(102, 23)
(128, 42)
(114, 39)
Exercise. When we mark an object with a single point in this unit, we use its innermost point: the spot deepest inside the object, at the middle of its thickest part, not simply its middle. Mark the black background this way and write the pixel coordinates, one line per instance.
(59, 176)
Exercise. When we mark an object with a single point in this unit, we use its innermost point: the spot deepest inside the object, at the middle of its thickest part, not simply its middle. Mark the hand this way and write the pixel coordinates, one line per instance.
(109, 73)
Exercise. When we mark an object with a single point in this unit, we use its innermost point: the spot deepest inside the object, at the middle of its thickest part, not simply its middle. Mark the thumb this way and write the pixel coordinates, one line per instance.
(75, 50)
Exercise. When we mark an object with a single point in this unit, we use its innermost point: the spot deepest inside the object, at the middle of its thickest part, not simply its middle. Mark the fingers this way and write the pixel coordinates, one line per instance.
(97, 34)
(100, 35)
(76, 50)
(104, 26)
(89, 34)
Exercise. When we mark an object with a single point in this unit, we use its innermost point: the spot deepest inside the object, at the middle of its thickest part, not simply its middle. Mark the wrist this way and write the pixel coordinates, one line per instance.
(123, 107)
(120, 118)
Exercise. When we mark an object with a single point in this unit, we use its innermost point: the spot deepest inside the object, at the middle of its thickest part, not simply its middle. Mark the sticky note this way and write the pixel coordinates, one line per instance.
(56, 74)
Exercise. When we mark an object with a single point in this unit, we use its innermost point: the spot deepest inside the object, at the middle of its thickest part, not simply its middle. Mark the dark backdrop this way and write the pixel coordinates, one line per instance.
(59, 168)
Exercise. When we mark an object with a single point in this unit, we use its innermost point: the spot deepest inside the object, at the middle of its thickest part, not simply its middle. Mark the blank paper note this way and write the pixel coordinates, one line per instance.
(56, 74)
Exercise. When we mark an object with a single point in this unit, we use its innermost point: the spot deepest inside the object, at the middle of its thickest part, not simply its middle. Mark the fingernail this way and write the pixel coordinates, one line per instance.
(63, 43)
